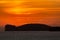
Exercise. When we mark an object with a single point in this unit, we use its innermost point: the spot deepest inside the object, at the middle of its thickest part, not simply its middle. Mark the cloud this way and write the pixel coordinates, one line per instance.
(32, 3)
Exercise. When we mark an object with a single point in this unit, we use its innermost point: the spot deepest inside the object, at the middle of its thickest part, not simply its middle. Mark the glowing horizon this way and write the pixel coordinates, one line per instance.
(30, 11)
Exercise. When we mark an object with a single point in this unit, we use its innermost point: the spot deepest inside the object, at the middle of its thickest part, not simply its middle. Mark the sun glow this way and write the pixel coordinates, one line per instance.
(30, 11)
(19, 7)
(18, 10)
(15, 10)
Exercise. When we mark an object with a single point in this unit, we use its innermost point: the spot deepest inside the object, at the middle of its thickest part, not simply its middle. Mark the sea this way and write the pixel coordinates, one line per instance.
(30, 35)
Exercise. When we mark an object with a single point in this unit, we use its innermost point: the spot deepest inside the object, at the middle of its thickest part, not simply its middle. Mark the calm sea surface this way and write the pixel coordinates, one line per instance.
(29, 35)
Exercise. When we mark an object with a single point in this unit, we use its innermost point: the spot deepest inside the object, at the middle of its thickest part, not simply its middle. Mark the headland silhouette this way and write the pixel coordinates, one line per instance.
(31, 27)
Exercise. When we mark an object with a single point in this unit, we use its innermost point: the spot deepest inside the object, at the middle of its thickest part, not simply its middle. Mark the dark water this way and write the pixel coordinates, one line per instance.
(31, 35)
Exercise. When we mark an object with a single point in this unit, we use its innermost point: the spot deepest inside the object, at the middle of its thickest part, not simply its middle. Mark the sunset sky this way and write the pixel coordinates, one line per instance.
(19, 12)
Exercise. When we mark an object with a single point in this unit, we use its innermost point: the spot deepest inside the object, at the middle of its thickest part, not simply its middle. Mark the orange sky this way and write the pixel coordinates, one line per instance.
(19, 12)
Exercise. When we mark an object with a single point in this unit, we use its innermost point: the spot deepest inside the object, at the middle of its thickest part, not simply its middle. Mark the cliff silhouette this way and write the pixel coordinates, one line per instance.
(54, 28)
(10, 27)
(31, 27)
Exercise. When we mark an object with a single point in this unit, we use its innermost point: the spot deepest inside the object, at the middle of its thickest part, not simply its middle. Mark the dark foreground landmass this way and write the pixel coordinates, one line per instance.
(31, 27)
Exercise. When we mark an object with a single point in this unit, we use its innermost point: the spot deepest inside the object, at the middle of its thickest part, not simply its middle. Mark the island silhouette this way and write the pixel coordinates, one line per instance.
(31, 27)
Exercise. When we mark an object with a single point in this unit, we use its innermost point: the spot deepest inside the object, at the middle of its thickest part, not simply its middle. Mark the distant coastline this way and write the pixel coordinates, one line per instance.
(31, 27)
